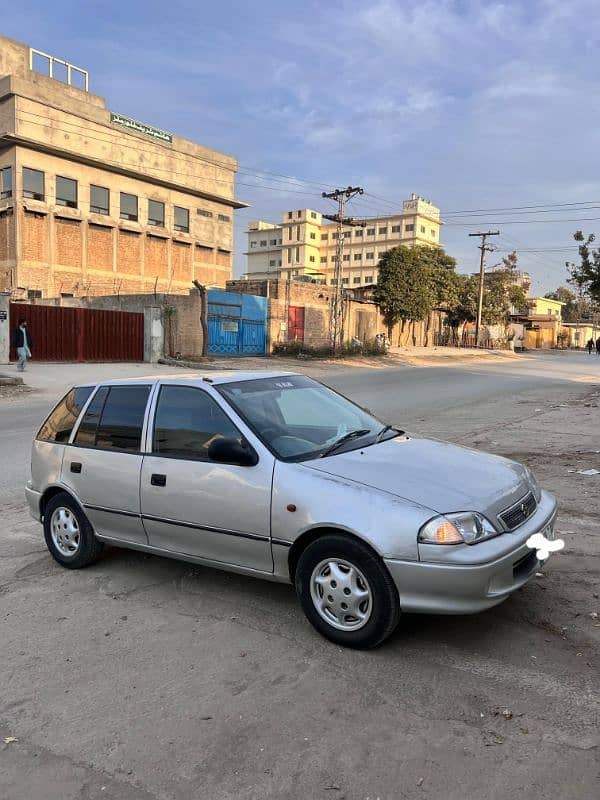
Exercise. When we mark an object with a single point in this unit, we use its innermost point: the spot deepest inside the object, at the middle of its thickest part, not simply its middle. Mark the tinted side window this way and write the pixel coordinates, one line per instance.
(58, 426)
(187, 421)
(122, 419)
(86, 434)
(114, 419)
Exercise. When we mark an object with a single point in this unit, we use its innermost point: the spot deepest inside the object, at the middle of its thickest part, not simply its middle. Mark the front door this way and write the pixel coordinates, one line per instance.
(102, 465)
(192, 506)
(296, 324)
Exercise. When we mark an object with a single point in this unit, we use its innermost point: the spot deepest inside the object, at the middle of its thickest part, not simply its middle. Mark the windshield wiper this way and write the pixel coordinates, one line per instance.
(345, 438)
(385, 429)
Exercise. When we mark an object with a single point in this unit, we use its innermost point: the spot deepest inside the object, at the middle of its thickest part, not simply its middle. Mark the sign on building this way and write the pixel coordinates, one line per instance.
(141, 127)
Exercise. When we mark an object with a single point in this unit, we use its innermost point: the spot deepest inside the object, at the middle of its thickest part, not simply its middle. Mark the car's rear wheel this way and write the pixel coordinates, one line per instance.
(69, 536)
(346, 592)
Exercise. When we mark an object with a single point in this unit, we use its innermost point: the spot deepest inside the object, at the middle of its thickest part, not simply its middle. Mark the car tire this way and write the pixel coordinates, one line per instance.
(346, 592)
(69, 535)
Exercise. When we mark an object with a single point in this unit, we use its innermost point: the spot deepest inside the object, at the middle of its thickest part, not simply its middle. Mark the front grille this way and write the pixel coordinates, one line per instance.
(516, 515)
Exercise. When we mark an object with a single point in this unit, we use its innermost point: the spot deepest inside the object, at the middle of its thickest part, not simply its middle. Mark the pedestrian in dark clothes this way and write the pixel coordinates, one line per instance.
(23, 344)
(590, 346)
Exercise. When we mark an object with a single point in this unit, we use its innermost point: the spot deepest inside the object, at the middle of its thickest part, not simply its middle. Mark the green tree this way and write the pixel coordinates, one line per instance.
(501, 295)
(405, 290)
(575, 308)
(586, 275)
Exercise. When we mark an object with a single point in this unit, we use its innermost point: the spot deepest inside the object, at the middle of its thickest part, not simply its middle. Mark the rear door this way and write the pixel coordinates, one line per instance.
(193, 506)
(102, 464)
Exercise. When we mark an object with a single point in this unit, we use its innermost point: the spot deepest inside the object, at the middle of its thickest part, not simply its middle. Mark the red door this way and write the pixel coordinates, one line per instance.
(296, 324)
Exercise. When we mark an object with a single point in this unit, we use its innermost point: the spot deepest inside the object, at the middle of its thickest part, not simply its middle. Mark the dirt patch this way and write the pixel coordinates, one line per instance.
(13, 391)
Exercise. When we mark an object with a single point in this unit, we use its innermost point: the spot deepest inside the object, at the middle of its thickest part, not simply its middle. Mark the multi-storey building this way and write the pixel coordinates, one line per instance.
(304, 245)
(93, 202)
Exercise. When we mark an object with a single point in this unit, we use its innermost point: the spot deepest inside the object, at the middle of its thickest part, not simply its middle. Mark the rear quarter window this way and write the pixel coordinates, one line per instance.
(58, 426)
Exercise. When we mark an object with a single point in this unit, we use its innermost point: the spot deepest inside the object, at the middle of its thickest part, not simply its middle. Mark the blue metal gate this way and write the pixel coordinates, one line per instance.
(237, 323)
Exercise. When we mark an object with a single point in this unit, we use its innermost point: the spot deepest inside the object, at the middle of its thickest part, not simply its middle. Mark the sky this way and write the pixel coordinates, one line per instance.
(471, 104)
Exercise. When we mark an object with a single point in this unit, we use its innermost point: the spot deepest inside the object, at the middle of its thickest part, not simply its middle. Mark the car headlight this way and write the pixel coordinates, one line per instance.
(467, 527)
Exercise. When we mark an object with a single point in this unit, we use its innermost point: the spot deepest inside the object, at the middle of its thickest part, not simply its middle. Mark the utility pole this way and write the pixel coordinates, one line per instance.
(336, 305)
(485, 248)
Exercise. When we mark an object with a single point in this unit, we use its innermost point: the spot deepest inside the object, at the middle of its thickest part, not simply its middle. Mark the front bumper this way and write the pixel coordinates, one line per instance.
(33, 501)
(474, 577)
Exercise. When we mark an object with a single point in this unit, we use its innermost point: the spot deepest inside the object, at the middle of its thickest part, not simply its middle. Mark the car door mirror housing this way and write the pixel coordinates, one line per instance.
(231, 451)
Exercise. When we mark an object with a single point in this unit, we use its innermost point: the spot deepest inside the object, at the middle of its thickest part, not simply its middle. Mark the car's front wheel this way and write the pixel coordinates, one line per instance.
(69, 536)
(346, 592)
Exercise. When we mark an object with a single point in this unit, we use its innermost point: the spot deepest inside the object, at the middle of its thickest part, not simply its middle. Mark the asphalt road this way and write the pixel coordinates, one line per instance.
(142, 677)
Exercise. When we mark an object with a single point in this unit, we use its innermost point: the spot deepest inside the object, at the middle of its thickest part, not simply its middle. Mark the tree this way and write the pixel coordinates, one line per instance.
(586, 275)
(500, 296)
(575, 308)
(405, 290)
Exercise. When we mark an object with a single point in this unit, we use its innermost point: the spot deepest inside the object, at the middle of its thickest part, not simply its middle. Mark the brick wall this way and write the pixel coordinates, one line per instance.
(34, 236)
(100, 248)
(7, 247)
(129, 252)
(182, 261)
(156, 262)
(68, 243)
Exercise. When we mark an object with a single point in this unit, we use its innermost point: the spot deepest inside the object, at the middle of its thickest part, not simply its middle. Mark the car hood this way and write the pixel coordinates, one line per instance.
(437, 475)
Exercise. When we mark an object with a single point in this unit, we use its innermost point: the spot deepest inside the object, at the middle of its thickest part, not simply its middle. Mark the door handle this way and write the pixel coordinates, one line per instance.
(158, 480)
(75, 466)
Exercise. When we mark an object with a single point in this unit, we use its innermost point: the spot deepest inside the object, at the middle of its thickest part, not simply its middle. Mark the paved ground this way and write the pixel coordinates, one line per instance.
(142, 678)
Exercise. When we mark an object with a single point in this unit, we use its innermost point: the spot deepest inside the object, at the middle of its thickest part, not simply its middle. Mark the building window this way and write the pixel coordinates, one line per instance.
(422, 228)
(370, 256)
(181, 219)
(358, 256)
(290, 232)
(369, 279)
(433, 233)
(289, 255)
(298, 214)
(313, 215)
(383, 231)
(346, 258)
(345, 281)
(356, 280)
(409, 228)
(347, 234)
(279, 263)
(202, 212)
(334, 281)
(334, 258)
(334, 236)
(359, 232)
(313, 235)
(34, 294)
(263, 242)
(156, 213)
(33, 184)
(272, 241)
(297, 255)
(252, 244)
(224, 218)
(272, 263)
(296, 272)
(129, 207)
(323, 259)
(99, 200)
(324, 237)
(396, 228)
(290, 214)
(298, 233)
(5, 183)
(311, 258)
(66, 192)
(370, 231)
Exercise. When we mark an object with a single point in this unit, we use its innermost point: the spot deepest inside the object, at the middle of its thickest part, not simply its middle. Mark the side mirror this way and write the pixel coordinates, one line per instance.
(231, 451)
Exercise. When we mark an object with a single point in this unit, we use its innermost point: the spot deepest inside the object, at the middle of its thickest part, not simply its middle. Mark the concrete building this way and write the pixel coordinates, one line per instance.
(303, 245)
(95, 203)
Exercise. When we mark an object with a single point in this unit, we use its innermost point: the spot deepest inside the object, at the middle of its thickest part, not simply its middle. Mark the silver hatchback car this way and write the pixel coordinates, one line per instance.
(277, 476)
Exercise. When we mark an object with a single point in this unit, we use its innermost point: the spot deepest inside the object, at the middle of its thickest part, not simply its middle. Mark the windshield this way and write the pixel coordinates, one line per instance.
(298, 418)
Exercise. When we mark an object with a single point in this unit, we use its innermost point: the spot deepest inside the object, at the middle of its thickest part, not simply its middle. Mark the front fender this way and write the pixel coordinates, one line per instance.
(389, 524)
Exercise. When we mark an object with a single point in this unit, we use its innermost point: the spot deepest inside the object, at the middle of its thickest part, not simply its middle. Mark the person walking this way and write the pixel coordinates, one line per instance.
(598, 346)
(23, 344)
(590, 346)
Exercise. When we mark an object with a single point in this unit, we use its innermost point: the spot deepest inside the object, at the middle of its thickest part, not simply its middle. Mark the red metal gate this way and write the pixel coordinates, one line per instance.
(296, 324)
(80, 334)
